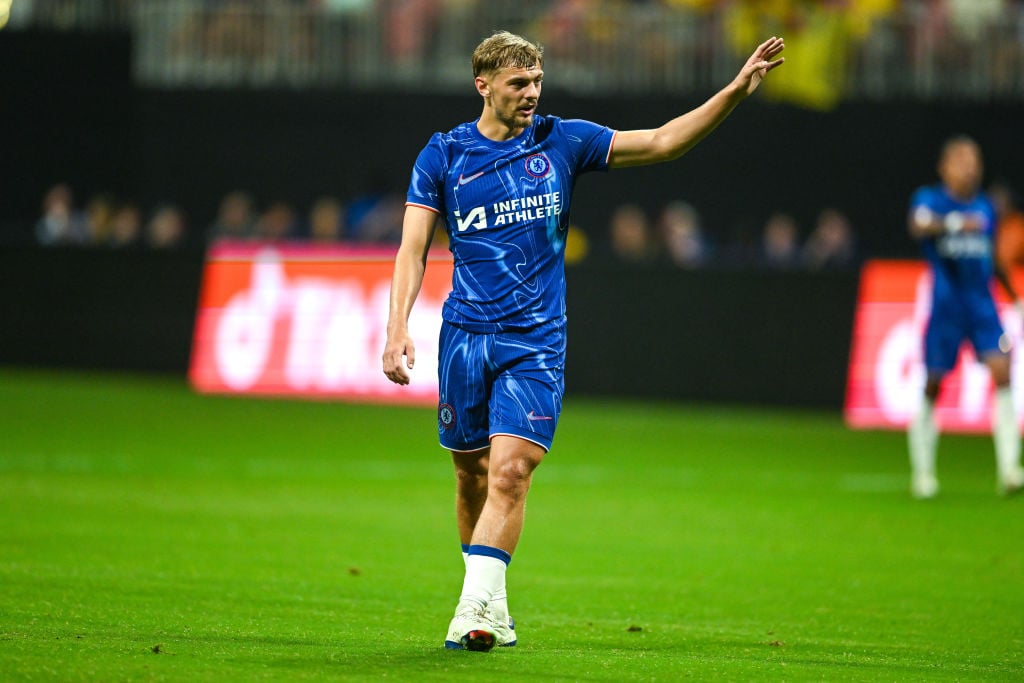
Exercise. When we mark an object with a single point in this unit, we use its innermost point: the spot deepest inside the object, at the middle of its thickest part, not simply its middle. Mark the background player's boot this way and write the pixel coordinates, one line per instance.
(1012, 482)
(924, 485)
(471, 630)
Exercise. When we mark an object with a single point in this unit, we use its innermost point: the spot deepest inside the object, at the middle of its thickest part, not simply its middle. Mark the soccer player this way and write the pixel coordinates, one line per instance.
(503, 186)
(955, 225)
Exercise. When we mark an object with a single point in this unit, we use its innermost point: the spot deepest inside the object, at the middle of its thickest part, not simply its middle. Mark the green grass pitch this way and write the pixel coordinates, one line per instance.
(151, 534)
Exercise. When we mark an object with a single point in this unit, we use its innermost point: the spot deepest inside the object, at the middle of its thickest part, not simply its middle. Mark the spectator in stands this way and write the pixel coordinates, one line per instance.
(99, 216)
(326, 220)
(681, 234)
(126, 226)
(831, 244)
(577, 246)
(166, 228)
(780, 246)
(276, 223)
(235, 218)
(410, 29)
(631, 236)
(382, 223)
(60, 224)
(376, 215)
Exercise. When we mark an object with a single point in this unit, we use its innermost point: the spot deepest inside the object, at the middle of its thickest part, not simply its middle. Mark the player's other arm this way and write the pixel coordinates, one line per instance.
(924, 223)
(410, 264)
(678, 136)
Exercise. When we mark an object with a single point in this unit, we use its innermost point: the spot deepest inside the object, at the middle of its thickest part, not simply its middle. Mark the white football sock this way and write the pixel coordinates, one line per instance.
(923, 438)
(499, 601)
(484, 575)
(1006, 433)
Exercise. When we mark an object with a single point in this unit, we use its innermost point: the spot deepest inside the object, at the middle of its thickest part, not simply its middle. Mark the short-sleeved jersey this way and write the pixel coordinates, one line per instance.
(961, 262)
(505, 207)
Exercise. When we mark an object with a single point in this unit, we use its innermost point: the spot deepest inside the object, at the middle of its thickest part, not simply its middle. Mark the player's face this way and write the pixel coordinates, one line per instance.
(961, 168)
(514, 93)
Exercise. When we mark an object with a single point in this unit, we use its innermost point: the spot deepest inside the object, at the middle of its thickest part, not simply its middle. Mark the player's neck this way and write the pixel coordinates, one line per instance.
(961, 194)
(493, 128)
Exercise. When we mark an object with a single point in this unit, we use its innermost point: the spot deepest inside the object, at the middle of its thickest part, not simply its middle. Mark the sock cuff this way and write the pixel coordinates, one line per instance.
(488, 551)
(465, 548)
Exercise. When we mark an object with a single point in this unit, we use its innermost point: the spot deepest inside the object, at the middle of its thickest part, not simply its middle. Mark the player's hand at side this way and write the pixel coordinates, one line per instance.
(765, 58)
(399, 354)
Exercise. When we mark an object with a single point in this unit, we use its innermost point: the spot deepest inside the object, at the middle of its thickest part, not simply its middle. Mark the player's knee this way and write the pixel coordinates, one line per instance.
(470, 480)
(512, 477)
(999, 367)
(471, 464)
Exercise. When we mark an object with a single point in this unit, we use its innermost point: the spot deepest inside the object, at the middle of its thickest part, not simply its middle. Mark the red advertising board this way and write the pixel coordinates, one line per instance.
(310, 321)
(886, 372)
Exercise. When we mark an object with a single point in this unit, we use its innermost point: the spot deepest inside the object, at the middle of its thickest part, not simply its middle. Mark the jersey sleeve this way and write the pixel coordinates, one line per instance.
(426, 187)
(592, 142)
(922, 197)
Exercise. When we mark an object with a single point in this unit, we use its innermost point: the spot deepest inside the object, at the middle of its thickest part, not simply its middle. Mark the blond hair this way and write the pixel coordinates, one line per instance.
(506, 50)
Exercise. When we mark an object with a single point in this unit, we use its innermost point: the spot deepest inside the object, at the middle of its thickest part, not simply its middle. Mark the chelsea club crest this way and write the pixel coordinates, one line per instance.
(537, 165)
(446, 416)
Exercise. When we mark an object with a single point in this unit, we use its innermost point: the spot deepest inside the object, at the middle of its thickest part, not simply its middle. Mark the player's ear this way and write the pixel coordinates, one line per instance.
(483, 86)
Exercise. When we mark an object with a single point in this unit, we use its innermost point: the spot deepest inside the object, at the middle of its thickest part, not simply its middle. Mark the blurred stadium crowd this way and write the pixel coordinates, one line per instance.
(860, 48)
(672, 236)
(970, 50)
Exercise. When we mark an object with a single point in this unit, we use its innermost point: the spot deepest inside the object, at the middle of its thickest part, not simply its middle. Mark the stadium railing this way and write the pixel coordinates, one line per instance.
(921, 50)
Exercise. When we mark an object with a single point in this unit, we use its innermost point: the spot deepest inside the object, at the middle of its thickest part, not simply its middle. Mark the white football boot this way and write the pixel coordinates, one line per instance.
(924, 485)
(1012, 482)
(471, 630)
(504, 629)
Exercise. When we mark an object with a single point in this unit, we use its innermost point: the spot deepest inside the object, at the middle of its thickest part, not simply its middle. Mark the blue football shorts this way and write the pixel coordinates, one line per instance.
(505, 383)
(950, 325)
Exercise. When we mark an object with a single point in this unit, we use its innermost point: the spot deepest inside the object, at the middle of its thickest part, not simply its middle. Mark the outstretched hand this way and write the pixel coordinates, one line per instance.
(760, 63)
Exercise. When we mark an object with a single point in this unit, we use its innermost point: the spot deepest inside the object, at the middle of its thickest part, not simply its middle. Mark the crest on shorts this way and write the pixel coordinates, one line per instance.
(446, 416)
(537, 165)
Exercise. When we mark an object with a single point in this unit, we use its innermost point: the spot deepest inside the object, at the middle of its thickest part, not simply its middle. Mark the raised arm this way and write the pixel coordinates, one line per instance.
(410, 264)
(678, 136)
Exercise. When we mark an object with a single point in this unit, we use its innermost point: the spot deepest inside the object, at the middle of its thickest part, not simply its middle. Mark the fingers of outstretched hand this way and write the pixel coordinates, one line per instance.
(769, 48)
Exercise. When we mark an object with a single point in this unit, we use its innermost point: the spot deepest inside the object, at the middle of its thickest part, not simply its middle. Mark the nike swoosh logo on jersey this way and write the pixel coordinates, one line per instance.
(464, 179)
(532, 417)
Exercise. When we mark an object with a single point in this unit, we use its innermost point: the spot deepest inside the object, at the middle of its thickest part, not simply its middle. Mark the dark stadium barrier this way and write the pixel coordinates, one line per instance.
(98, 309)
(773, 338)
(753, 337)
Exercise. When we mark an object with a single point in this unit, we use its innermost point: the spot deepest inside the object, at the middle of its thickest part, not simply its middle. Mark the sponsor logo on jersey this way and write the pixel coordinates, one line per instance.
(529, 208)
(963, 245)
(537, 165)
(468, 179)
(533, 417)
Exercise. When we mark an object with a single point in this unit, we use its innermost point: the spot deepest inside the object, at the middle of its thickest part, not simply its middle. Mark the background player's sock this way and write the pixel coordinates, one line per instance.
(923, 438)
(485, 574)
(1006, 435)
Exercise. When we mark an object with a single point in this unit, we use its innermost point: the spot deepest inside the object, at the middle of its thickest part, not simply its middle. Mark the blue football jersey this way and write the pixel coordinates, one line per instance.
(505, 206)
(961, 262)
